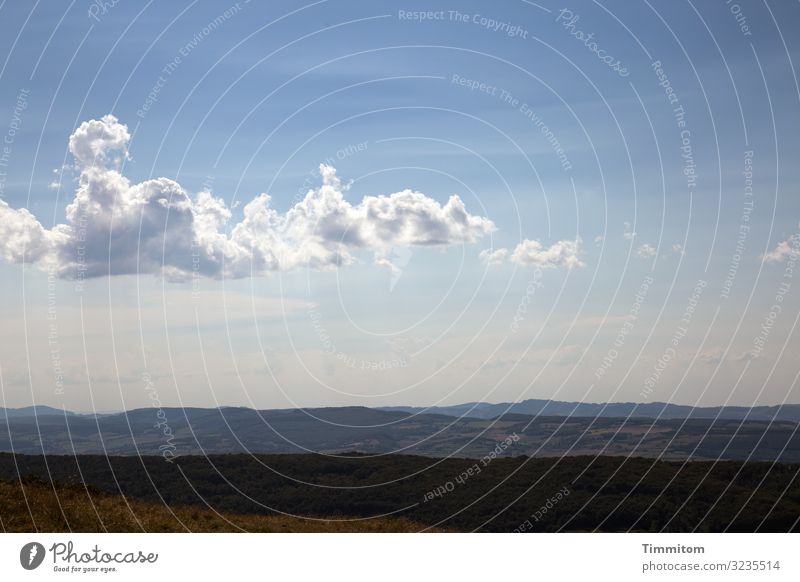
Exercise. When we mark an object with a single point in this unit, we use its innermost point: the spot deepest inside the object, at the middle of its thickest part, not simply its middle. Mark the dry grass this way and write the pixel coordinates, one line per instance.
(69, 508)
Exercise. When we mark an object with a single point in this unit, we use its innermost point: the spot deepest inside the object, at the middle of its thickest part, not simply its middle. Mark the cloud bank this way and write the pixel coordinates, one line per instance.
(114, 227)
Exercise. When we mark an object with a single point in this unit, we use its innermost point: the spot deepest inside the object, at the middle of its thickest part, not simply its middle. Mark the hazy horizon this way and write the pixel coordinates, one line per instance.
(390, 406)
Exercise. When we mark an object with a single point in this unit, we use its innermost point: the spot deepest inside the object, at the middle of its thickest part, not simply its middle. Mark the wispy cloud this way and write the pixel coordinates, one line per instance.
(646, 251)
(783, 251)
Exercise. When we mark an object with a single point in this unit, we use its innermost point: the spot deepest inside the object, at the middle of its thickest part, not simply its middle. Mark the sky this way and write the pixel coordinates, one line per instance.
(398, 203)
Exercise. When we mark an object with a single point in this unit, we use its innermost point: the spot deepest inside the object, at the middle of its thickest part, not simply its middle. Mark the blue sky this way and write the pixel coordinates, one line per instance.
(252, 100)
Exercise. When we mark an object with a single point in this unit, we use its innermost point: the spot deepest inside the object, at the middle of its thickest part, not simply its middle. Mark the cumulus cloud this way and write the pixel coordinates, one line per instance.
(494, 256)
(99, 142)
(116, 227)
(564, 253)
(646, 251)
(783, 251)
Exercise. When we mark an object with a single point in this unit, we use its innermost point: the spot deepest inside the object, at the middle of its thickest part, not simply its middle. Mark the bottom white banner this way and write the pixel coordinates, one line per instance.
(355, 557)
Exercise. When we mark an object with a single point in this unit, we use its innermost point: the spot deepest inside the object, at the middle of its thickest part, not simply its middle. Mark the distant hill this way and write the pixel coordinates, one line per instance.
(32, 411)
(531, 407)
(188, 431)
(790, 412)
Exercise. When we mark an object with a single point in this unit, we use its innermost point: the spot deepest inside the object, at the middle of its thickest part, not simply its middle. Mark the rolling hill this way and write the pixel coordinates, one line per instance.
(186, 431)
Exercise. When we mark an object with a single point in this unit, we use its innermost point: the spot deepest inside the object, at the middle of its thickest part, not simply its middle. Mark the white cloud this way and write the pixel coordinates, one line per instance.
(494, 256)
(783, 251)
(116, 227)
(100, 142)
(564, 253)
(646, 251)
(627, 233)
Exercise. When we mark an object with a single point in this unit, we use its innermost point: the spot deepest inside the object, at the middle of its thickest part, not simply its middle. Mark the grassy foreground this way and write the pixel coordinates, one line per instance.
(37, 506)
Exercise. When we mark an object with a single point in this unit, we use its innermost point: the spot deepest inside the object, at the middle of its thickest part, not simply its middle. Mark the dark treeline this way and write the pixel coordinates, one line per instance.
(500, 494)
